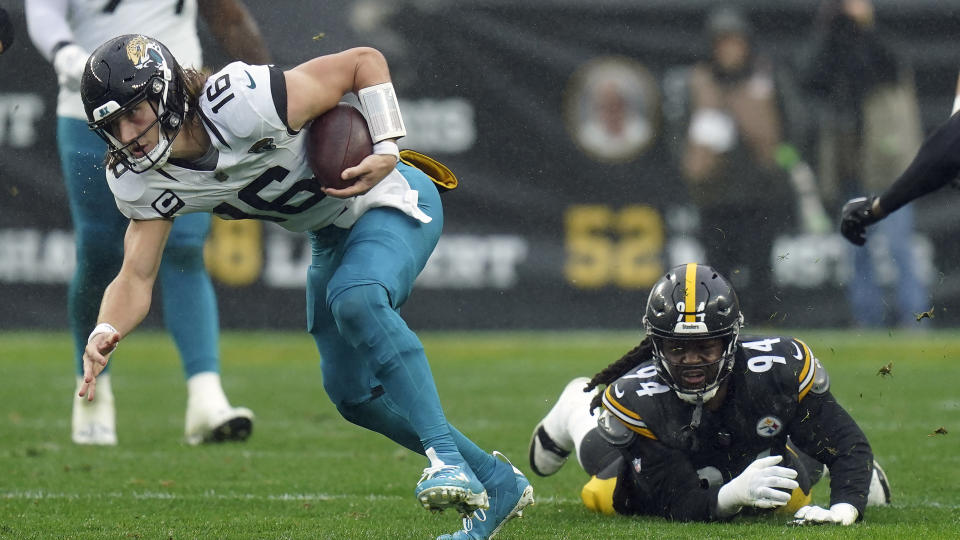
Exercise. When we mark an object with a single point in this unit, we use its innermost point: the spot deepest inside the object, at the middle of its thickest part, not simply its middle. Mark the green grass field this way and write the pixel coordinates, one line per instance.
(306, 473)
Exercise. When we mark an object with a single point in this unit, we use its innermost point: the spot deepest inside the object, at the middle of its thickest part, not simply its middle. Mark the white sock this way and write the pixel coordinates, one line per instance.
(205, 388)
(579, 426)
(104, 390)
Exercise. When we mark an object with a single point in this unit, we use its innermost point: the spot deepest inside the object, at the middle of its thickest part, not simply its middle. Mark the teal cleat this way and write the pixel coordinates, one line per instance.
(445, 486)
(510, 492)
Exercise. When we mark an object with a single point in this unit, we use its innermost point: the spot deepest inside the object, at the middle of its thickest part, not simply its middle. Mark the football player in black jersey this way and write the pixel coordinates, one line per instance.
(698, 422)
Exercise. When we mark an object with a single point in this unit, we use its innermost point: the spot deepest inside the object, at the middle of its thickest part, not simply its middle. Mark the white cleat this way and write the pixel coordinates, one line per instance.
(95, 422)
(210, 418)
(550, 445)
(879, 494)
(218, 425)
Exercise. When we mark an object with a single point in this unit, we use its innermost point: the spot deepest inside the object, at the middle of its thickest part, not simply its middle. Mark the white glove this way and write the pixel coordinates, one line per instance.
(69, 63)
(842, 513)
(755, 487)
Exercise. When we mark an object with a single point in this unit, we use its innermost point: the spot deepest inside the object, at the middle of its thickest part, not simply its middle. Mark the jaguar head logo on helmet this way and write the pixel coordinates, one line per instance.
(134, 77)
(693, 320)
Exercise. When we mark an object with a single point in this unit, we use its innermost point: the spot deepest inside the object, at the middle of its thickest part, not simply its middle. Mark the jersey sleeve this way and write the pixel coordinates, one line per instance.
(242, 104)
(825, 431)
(138, 198)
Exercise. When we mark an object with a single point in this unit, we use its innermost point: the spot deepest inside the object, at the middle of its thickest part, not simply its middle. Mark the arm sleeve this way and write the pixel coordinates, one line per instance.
(47, 25)
(667, 484)
(831, 436)
(935, 165)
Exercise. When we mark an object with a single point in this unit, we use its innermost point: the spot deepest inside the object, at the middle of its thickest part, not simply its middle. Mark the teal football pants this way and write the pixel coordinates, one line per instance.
(374, 367)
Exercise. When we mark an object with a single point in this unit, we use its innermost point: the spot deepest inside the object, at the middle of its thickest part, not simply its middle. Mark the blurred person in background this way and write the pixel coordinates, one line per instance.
(65, 31)
(869, 130)
(729, 159)
(6, 30)
(700, 423)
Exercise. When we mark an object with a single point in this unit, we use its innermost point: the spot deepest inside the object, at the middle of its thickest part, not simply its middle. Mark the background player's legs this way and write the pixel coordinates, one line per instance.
(98, 231)
(911, 291)
(190, 314)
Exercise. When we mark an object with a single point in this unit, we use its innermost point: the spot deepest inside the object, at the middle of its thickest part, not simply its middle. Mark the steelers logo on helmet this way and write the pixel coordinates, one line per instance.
(693, 320)
(122, 74)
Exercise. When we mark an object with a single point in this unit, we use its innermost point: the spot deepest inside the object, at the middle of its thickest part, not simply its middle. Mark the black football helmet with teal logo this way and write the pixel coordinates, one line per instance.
(119, 75)
(693, 304)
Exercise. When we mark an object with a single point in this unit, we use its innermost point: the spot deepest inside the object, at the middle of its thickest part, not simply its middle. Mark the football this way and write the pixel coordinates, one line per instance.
(337, 140)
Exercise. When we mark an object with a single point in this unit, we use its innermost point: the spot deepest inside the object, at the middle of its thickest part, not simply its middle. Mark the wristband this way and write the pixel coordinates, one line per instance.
(380, 106)
(101, 329)
(387, 148)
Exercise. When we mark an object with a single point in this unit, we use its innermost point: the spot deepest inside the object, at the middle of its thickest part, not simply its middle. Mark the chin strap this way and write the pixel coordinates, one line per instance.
(697, 413)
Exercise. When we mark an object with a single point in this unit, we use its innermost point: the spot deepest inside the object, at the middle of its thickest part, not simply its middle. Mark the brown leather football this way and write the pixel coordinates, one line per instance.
(337, 139)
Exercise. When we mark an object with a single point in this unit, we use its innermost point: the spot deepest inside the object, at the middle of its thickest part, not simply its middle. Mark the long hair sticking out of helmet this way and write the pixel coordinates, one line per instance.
(634, 357)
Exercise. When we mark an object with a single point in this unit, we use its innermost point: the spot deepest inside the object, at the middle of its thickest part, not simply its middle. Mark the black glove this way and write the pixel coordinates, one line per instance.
(6, 31)
(856, 215)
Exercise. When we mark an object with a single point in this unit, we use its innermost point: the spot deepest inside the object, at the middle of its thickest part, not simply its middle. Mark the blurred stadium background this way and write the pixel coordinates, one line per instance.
(544, 233)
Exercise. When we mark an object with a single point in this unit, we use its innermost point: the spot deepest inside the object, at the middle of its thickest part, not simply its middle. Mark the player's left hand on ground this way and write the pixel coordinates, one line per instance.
(368, 173)
(856, 215)
(840, 513)
(95, 357)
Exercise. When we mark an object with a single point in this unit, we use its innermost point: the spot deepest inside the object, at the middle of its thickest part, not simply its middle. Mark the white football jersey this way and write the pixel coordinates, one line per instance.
(172, 22)
(261, 169)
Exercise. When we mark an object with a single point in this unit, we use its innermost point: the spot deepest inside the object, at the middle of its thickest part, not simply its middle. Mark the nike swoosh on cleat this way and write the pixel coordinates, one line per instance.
(252, 84)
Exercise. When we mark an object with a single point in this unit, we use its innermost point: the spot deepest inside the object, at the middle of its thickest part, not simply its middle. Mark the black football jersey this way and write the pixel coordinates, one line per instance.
(777, 390)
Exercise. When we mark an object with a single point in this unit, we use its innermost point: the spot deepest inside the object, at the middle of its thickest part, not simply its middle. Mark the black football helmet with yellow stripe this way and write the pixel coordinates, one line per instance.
(692, 305)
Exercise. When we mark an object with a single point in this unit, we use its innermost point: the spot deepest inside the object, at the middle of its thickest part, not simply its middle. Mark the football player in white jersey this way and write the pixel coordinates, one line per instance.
(65, 31)
(233, 144)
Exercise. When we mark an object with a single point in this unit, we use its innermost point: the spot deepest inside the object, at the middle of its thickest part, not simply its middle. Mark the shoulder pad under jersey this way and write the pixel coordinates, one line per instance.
(786, 362)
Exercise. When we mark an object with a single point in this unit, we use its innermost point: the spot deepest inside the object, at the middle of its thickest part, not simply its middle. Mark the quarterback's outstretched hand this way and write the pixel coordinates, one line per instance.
(757, 486)
(841, 513)
(856, 215)
(95, 357)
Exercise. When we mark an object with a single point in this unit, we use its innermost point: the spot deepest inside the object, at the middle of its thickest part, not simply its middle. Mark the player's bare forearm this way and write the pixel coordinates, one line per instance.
(317, 85)
(126, 303)
(235, 30)
(127, 299)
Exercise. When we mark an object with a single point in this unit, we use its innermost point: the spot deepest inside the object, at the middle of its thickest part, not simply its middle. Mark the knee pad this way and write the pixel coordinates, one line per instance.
(597, 495)
(357, 311)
